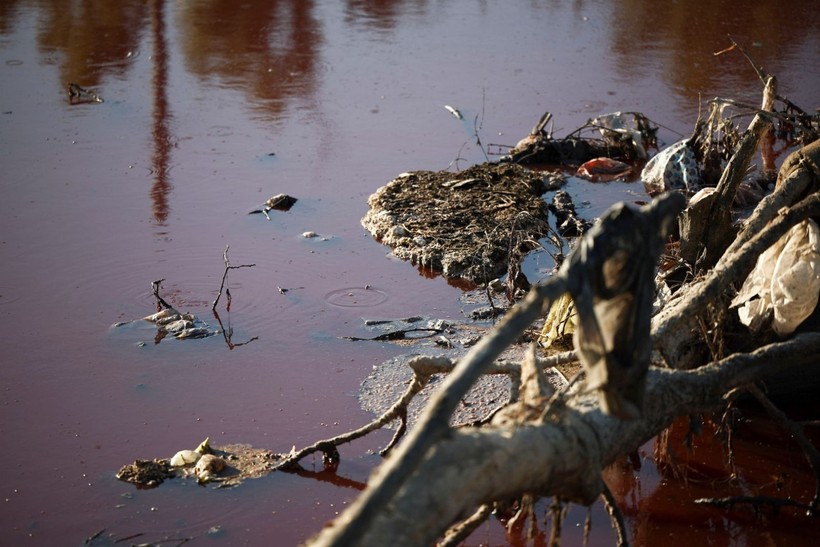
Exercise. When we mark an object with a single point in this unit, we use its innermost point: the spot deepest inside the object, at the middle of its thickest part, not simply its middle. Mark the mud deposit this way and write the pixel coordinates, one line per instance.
(462, 224)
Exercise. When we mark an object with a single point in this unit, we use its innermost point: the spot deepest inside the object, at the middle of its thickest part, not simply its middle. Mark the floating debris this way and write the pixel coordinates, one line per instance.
(184, 458)
(181, 326)
(604, 170)
(146, 473)
(626, 136)
(673, 168)
(280, 202)
(783, 286)
(567, 221)
(78, 94)
(454, 112)
(227, 465)
(208, 466)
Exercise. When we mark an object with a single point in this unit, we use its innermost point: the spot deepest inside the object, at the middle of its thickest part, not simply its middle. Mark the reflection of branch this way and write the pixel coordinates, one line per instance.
(228, 333)
(755, 501)
(328, 475)
(615, 516)
(155, 285)
(225, 277)
(161, 116)
(797, 433)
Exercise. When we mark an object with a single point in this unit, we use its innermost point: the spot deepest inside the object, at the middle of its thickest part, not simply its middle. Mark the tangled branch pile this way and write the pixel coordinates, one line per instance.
(556, 444)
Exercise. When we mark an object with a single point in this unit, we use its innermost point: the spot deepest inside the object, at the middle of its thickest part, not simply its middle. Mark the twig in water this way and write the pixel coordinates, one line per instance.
(90, 539)
(423, 369)
(397, 334)
(225, 277)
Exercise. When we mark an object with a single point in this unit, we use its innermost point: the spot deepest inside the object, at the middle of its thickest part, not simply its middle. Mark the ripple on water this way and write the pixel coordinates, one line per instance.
(116, 287)
(356, 297)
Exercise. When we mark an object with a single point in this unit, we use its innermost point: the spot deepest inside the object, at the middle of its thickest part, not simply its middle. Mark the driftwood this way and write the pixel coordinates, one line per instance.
(535, 446)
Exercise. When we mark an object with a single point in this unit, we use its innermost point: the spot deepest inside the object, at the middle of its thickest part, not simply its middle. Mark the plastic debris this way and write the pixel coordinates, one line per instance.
(625, 124)
(184, 458)
(604, 170)
(454, 111)
(673, 168)
(560, 321)
(785, 282)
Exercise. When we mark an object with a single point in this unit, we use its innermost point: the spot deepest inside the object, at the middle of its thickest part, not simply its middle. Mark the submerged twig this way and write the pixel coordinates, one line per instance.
(400, 334)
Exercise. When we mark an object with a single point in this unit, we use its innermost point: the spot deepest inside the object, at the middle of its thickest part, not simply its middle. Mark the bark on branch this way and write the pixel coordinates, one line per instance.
(470, 467)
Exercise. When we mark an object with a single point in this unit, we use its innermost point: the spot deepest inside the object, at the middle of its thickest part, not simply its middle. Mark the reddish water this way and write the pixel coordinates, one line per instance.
(210, 108)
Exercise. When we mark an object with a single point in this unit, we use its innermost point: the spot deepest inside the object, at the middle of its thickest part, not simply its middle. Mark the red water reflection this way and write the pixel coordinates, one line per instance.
(162, 116)
(657, 495)
(210, 108)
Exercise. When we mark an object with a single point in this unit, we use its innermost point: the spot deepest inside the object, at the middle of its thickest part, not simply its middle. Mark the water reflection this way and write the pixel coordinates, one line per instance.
(687, 34)
(94, 39)
(8, 9)
(270, 49)
(381, 14)
(161, 116)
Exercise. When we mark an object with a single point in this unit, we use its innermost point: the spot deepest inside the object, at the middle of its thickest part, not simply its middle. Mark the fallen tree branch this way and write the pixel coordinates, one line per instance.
(520, 454)
(674, 328)
(475, 466)
(433, 424)
(719, 233)
(461, 531)
(423, 367)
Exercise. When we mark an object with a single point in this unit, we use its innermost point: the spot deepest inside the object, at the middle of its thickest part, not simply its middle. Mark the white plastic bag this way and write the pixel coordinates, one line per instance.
(673, 168)
(785, 282)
